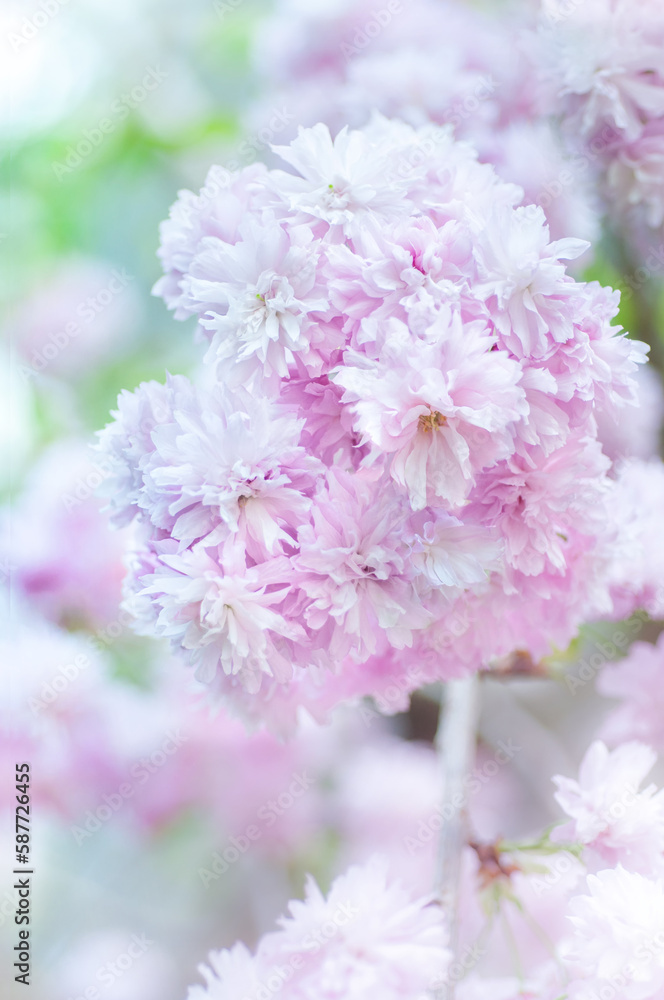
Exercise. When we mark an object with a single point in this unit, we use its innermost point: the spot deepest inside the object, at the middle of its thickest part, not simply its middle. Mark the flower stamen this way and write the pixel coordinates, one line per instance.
(432, 420)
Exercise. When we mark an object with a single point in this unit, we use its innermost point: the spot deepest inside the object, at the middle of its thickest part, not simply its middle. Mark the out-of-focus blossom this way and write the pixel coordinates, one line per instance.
(636, 682)
(446, 63)
(636, 576)
(600, 67)
(609, 815)
(126, 966)
(617, 938)
(59, 553)
(53, 684)
(639, 436)
(368, 936)
(79, 316)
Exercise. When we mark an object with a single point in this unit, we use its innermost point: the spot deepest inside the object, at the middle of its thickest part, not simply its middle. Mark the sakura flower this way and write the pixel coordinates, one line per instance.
(634, 176)
(538, 504)
(523, 280)
(342, 180)
(414, 443)
(638, 436)
(636, 682)
(637, 571)
(216, 465)
(62, 557)
(367, 937)
(600, 68)
(617, 938)
(127, 442)
(221, 465)
(226, 618)
(327, 429)
(254, 297)
(215, 212)
(231, 973)
(602, 58)
(54, 689)
(450, 554)
(617, 822)
(353, 564)
(443, 408)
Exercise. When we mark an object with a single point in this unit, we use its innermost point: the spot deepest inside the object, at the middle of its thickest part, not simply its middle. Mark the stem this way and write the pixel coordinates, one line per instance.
(455, 744)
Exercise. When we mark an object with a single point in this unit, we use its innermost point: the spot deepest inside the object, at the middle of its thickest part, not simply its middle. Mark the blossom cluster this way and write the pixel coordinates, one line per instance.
(594, 900)
(444, 62)
(601, 72)
(617, 942)
(368, 937)
(396, 434)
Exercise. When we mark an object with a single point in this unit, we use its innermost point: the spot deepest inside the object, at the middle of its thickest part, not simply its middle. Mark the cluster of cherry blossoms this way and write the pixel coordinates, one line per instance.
(367, 937)
(379, 627)
(600, 67)
(581, 908)
(445, 62)
(395, 436)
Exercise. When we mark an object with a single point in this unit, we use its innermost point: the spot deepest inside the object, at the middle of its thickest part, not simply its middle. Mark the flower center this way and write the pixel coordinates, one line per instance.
(432, 420)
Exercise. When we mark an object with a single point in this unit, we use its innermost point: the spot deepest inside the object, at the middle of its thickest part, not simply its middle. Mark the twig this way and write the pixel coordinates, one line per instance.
(455, 744)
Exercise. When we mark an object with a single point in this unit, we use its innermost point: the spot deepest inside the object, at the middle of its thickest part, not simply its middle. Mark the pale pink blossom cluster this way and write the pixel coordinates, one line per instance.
(601, 71)
(393, 464)
(636, 576)
(424, 61)
(615, 945)
(55, 544)
(575, 914)
(636, 684)
(368, 937)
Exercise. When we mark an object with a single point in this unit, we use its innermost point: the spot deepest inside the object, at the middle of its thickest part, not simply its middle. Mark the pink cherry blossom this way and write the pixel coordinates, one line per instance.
(367, 937)
(618, 823)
